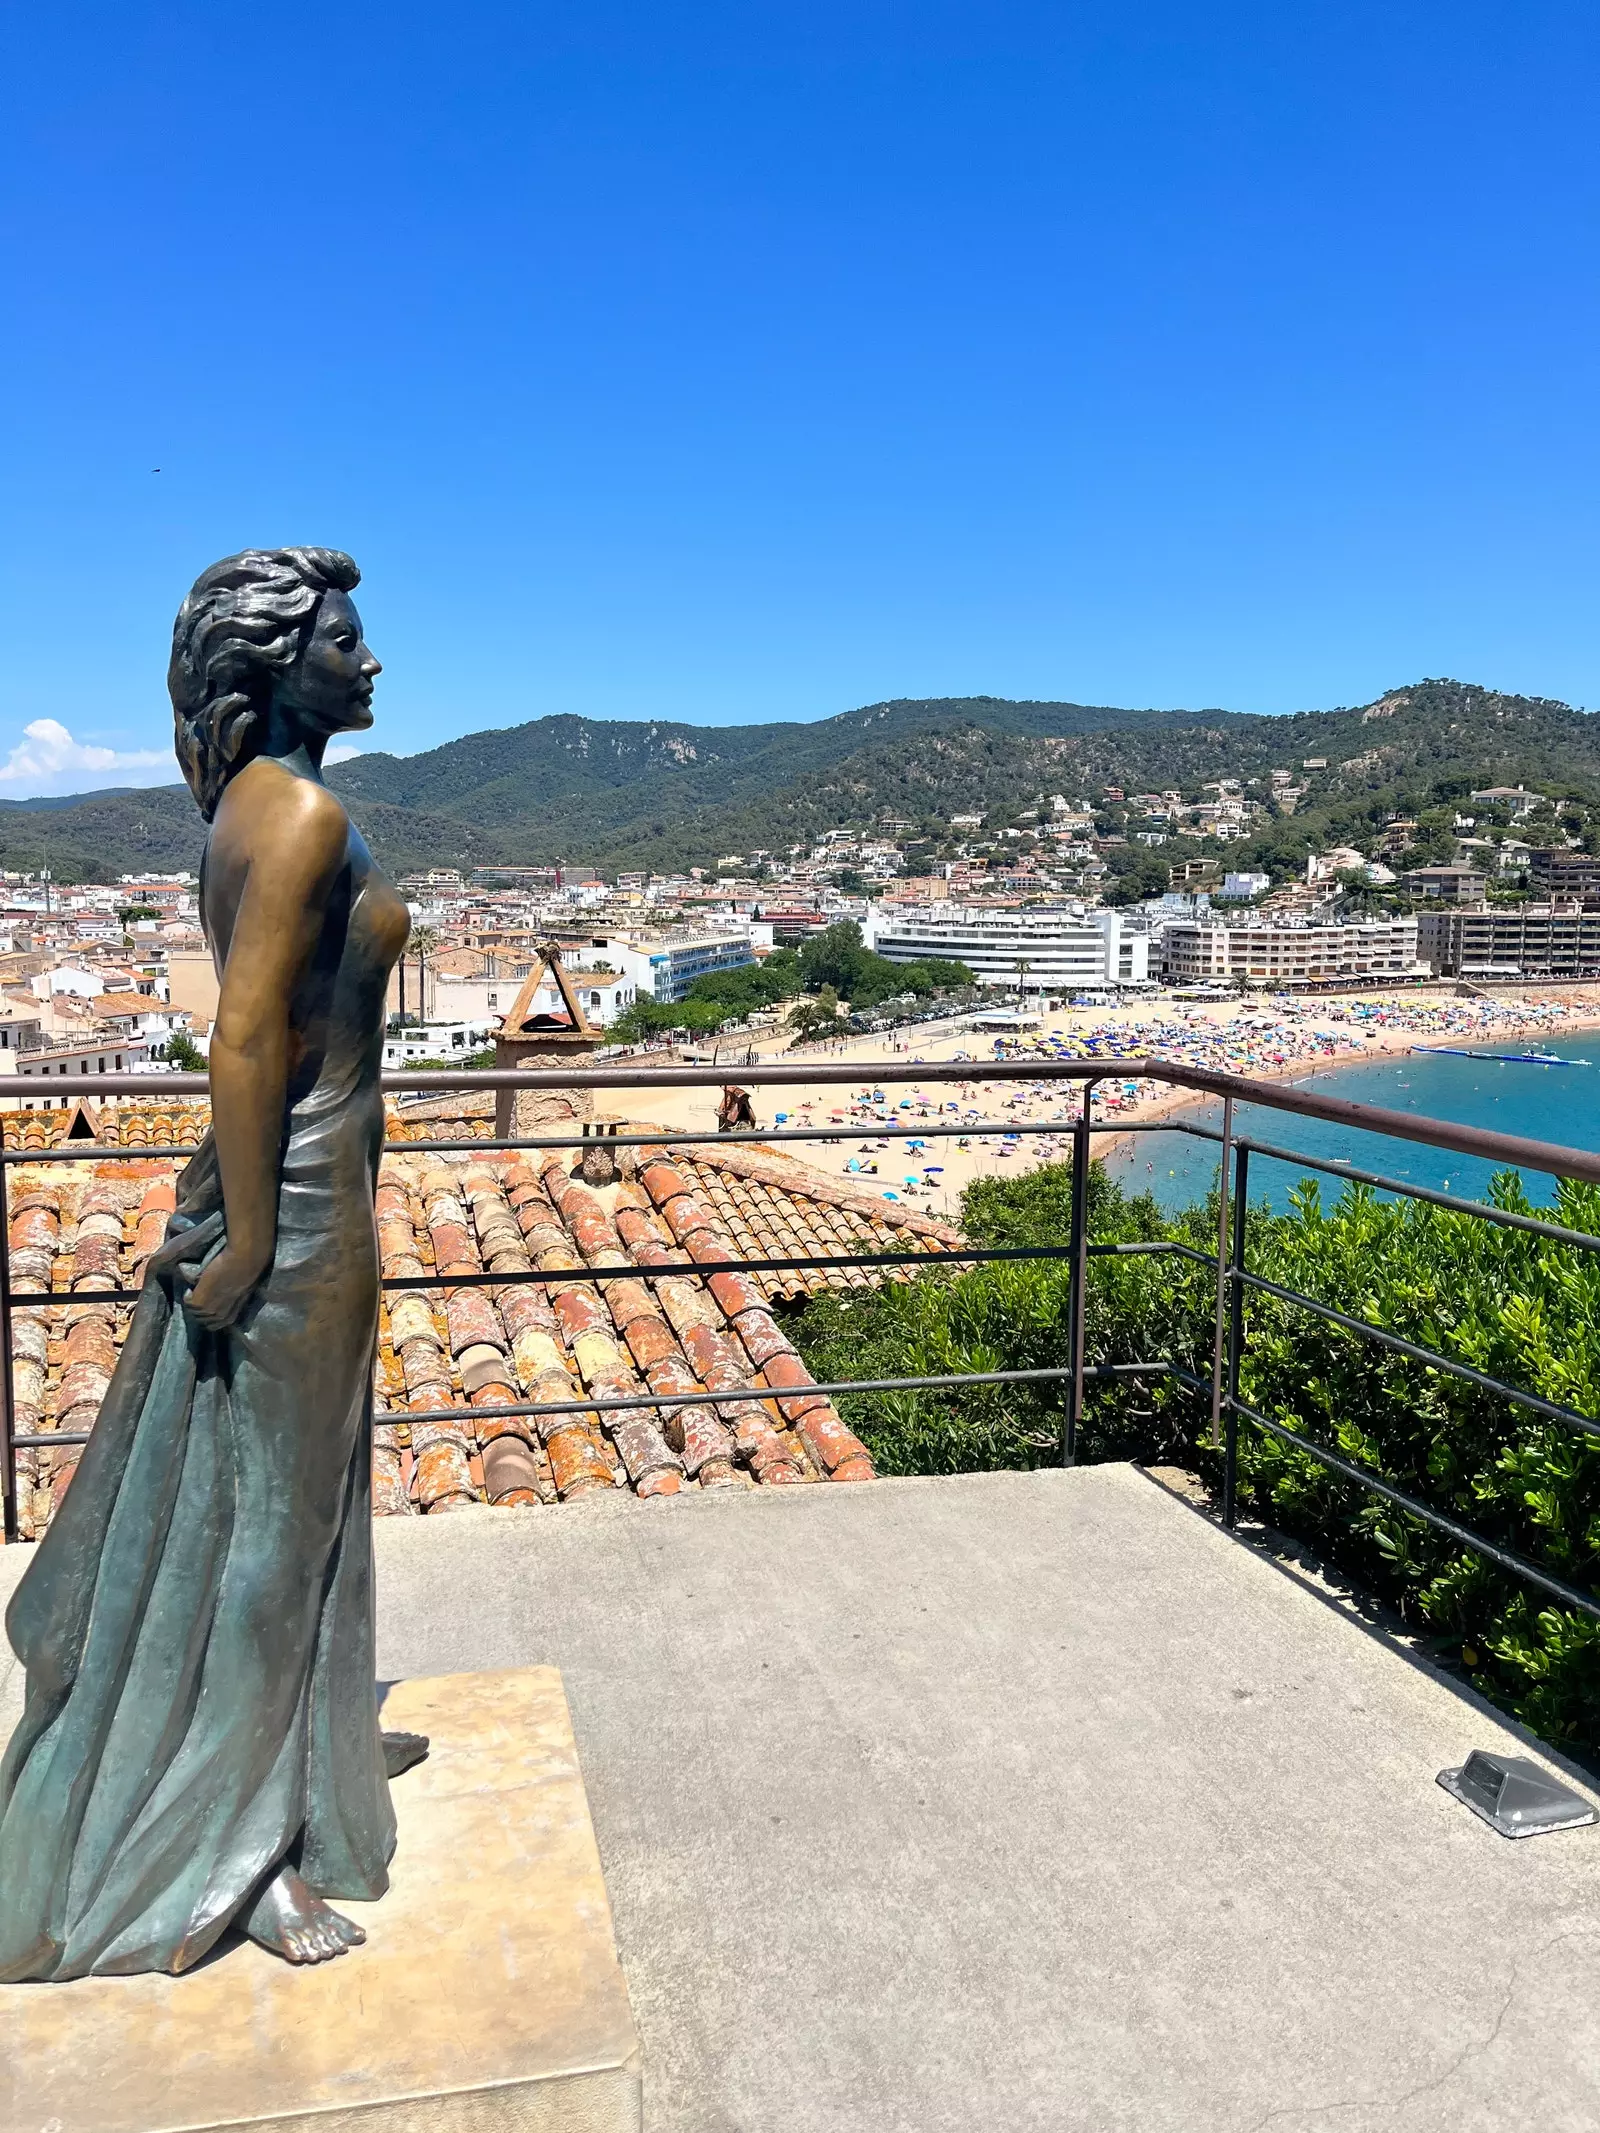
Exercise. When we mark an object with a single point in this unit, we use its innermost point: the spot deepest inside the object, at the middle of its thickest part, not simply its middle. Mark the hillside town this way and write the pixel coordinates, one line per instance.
(1072, 902)
(1041, 909)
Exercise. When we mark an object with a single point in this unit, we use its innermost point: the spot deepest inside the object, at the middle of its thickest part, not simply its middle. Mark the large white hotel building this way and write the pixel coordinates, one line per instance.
(1034, 948)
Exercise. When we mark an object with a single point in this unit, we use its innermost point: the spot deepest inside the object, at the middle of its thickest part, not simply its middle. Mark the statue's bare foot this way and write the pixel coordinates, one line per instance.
(300, 1927)
(402, 1751)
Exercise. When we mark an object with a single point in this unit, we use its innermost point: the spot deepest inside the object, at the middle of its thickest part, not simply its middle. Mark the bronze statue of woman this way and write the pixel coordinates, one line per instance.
(200, 1746)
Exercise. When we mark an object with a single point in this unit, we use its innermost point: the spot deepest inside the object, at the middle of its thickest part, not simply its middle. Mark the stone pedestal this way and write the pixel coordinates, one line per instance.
(487, 1999)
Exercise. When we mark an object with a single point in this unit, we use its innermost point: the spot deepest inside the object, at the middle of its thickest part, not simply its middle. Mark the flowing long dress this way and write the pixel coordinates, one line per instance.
(197, 1624)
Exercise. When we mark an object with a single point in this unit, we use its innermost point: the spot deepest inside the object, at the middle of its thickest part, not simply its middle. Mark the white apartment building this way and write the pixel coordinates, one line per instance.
(118, 1055)
(662, 966)
(1294, 953)
(1037, 949)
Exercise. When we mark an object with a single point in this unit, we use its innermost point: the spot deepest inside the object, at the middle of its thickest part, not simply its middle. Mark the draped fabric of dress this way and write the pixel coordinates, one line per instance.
(197, 1624)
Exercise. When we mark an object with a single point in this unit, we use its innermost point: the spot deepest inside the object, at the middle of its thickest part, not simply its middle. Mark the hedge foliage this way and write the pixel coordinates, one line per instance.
(1499, 1299)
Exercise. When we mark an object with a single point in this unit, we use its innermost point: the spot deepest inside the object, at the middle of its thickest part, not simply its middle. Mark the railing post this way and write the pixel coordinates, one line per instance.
(1077, 1272)
(1223, 1182)
(8, 1427)
(1230, 1429)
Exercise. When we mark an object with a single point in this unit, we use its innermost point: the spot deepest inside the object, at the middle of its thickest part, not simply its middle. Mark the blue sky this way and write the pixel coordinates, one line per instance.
(751, 362)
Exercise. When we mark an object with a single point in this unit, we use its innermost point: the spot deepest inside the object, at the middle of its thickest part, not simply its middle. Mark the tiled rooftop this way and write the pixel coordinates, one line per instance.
(77, 1228)
(175, 1125)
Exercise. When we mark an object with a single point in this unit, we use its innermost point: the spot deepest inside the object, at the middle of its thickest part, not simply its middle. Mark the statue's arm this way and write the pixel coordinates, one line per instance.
(296, 847)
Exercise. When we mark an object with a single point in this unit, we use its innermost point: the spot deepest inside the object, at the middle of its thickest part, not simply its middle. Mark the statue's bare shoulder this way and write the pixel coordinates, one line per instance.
(272, 821)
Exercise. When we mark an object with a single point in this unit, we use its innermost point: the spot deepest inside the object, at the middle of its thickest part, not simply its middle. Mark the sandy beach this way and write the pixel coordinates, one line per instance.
(1265, 1041)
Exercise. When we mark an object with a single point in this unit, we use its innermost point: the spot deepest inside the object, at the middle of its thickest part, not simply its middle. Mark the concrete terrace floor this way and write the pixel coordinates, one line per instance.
(1015, 1801)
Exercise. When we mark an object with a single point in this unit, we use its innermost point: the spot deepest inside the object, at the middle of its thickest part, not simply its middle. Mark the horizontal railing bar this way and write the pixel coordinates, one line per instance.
(798, 1263)
(1154, 1125)
(1163, 1245)
(617, 1403)
(862, 1073)
(54, 1300)
(1567, 1416)
(1505, 1148)
(92, 1152)
(664, 1137)
(988, 1129)
(470, 1144)
(1484, 1210)
(390, 1417)
(1518, 1565)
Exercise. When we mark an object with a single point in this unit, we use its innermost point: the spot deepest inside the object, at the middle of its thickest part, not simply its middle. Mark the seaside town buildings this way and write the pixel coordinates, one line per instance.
(1105, 891)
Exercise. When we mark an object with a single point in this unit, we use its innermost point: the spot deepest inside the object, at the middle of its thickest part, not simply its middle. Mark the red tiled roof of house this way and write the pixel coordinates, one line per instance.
(179, 1124)
(82, 1227)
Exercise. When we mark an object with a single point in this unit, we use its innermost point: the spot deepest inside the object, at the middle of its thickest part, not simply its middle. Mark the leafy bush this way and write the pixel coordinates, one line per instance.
(1503, 1302)
(1012, 1315)
(1498, 1299)
(183, 1055)
(452, 1062)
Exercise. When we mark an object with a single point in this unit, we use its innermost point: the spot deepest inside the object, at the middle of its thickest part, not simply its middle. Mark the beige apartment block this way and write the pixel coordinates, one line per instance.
(1194, 950)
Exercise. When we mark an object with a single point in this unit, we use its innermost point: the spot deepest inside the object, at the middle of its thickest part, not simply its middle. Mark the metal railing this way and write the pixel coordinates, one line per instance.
(1234, 1281)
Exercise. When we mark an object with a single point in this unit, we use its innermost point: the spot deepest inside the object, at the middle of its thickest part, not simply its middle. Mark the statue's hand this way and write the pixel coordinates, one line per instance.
(222, 1289)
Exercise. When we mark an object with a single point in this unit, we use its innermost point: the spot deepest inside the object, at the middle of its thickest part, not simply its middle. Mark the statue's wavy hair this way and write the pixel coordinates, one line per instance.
(244, 621)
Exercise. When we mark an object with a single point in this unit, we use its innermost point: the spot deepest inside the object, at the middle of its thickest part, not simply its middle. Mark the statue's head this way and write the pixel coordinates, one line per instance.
(270, 629)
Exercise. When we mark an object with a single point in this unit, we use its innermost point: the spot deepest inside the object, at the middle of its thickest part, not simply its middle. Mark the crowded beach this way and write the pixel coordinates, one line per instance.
(1279, 1039)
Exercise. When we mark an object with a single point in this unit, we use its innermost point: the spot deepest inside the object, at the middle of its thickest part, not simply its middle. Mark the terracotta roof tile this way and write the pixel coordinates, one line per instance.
(468, 1345)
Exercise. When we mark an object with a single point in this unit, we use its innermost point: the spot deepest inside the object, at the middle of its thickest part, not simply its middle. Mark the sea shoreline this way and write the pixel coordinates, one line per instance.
(1384, 1044)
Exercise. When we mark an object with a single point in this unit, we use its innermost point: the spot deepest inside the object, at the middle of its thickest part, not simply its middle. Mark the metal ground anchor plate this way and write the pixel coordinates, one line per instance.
(1515, 1796)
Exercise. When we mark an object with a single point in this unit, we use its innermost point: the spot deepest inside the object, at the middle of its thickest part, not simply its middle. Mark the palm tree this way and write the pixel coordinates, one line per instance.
(424, 942)
(815, 1017)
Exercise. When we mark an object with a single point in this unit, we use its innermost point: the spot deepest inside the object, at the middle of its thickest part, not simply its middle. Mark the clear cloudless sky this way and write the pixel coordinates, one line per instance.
(744, 362)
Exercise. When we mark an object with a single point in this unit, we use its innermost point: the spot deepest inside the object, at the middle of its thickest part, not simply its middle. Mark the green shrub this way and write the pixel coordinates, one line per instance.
(1502, 1301)
(1012, 1315)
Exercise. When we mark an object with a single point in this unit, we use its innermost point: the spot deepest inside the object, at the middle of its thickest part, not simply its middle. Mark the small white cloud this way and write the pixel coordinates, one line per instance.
(47, 760)
(340, 752)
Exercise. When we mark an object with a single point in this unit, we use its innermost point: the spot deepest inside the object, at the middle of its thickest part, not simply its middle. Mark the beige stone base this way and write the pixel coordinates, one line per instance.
(487, 1999)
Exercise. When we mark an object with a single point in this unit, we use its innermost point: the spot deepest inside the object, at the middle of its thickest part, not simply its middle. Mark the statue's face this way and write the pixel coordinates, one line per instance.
(329, 686)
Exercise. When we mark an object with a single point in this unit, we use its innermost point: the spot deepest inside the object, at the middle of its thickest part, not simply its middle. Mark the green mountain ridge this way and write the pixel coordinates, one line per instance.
(664, 795)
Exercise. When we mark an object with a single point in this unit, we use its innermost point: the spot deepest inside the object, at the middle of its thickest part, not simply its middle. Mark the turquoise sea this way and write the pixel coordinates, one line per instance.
(1547, 1103)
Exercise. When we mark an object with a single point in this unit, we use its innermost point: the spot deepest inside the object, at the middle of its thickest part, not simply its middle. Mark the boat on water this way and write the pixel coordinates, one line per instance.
(1460, 1051)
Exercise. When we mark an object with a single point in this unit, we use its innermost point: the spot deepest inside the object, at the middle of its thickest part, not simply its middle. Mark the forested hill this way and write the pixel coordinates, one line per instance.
(667, 795)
